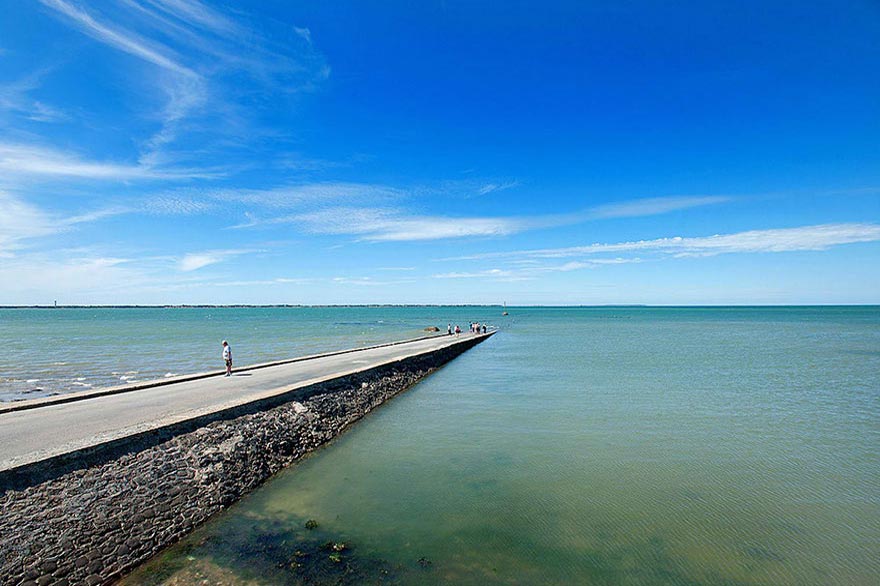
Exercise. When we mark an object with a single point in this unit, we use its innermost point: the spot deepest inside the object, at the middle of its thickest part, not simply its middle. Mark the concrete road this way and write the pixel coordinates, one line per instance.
(33, 435)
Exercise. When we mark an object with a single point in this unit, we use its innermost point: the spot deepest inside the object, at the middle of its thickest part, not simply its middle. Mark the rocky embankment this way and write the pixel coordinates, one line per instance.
(92, 525)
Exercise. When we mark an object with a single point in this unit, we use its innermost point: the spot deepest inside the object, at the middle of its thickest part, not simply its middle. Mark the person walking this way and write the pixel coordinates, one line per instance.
(227, 357)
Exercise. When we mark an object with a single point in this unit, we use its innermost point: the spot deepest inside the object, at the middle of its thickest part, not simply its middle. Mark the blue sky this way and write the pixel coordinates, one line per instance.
(181, 151)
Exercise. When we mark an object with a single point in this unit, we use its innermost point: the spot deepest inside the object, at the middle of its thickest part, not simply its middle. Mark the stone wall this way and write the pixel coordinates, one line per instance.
(91, 525)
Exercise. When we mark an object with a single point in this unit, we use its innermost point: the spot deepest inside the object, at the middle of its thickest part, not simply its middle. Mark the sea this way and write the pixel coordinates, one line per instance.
(589, 445)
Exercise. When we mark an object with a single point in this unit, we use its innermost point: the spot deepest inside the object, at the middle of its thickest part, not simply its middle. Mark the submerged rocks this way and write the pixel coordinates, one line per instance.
(432, 329)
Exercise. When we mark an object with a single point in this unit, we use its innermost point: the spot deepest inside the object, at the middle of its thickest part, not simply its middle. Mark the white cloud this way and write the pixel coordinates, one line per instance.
(30, 160)
(493, 187)
(533, 271)
(341, 208)
(653, 206)
(294, 196)
(15, 97)
(40, 112)
(21, 221)
(368, 281)
(391, 224)
(184, 88)
(39, 278)
(194, 12)
(190, 201)
(259, 283)
(94, 215)
(197, 260)
(304, 32)
(380, 224)
(485, 274)
(197, 50)
(818, 237)
(177, 206)
(121, 39)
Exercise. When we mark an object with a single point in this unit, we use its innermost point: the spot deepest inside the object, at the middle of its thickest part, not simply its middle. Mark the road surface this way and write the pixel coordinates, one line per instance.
(48, 430)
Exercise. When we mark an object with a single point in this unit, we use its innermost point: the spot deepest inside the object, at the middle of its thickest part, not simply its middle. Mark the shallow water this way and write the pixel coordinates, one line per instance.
(590, 446)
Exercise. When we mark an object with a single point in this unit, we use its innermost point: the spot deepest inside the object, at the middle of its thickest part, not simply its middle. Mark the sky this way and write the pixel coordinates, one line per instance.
(549, 153)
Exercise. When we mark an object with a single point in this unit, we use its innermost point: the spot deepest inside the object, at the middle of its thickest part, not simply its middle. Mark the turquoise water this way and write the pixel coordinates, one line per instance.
(584, 446)
(56, 351)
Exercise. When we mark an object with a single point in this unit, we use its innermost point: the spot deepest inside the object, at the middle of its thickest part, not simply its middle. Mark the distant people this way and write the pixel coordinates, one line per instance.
(457, 330)
(484, 328)
(227, 357)
(448, 329)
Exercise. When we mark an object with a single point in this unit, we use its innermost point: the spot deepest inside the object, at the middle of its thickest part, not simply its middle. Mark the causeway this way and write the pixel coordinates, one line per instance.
(39, 430)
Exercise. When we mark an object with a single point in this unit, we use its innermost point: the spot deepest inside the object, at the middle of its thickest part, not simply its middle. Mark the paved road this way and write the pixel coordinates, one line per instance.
(35, 434)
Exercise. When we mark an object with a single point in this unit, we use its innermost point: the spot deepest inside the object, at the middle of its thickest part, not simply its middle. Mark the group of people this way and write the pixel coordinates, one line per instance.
(476, 328)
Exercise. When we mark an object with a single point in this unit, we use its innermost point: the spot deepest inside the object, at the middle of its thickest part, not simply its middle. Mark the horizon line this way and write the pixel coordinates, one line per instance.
(376, 305)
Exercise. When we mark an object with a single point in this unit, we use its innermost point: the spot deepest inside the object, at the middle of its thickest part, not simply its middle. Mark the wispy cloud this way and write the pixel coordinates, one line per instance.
(174, 205)
(196, 50)
(528, 273)
(192, 11)
(87, 275)
(15, 97)
(197, 260)
(494, 274)
(39, 279)
(94, 215)
(493, 187)
(376, 212)
(40, 112)
(392, 224)
(259, 282)
(805, 238)
(119, 38)
(303, 32)
(295, 196)
(185, 89)
(653, 206)
(298, 162)
(379, 224)
(21, 222)
(262, 204)
(368, 281)
(31, 160)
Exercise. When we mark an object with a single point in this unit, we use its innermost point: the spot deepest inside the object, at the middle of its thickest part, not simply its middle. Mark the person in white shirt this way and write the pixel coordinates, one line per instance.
(227, 357)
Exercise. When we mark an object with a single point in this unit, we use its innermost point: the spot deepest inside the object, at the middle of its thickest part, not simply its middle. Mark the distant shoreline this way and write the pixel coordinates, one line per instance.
(427, 305)
(237, 305)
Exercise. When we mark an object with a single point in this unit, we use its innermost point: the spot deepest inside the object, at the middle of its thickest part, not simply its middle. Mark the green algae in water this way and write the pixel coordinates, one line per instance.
(263, 552)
